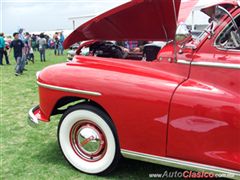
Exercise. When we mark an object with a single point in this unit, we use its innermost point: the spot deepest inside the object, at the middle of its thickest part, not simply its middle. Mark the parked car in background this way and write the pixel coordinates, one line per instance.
(181, 109)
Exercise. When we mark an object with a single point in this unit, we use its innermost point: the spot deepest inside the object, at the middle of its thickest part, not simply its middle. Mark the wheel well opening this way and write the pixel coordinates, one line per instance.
(67, 102)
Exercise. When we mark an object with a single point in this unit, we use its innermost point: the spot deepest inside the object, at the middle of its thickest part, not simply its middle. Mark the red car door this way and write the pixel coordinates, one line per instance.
(204, 124)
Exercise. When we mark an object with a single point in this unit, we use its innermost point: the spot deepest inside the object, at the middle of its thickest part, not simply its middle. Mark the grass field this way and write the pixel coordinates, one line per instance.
(28, 153)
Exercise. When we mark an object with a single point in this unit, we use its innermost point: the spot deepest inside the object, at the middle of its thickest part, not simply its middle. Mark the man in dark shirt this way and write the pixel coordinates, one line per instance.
(18, 46)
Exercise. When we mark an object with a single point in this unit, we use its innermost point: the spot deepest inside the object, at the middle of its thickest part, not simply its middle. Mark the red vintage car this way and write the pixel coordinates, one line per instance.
(181, 109)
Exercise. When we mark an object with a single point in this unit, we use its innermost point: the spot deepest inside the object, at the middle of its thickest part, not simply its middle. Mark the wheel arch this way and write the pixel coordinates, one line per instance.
(66, 102)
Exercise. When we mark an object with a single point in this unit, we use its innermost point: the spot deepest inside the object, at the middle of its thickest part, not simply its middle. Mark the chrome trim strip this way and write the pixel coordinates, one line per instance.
(179, 163)
(215, 64)
(210, 64)
(180, 61)
(32, 117)
(37, 74)
(69, 89)
(226, 50)
(33, 121)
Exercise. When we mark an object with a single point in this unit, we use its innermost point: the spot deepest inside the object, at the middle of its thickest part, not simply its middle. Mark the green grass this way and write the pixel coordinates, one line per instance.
(28, 153)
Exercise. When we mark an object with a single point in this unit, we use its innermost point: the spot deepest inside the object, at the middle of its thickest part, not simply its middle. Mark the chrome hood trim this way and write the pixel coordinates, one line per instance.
(91, 93)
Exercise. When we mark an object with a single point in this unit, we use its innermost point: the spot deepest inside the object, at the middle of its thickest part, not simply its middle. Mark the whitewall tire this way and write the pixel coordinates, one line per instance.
(88, 140)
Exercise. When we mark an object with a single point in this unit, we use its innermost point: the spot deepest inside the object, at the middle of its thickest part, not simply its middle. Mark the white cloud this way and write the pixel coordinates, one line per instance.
(49, 15)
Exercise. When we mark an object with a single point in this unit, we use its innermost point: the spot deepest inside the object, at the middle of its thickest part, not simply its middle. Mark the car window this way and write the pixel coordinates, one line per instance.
(229, 38)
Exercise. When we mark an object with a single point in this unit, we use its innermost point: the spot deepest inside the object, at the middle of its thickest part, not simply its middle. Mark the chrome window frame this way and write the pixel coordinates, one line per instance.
(219, 34)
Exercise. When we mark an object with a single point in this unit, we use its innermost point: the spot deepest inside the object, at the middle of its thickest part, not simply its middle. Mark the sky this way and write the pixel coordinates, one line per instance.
(51, 15)
(37, 15)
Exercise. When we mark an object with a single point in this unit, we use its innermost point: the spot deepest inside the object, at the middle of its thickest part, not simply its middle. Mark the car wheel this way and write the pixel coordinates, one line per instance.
(88, 140)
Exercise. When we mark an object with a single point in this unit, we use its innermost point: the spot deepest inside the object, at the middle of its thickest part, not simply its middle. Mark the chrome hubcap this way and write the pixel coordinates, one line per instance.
(88, 141)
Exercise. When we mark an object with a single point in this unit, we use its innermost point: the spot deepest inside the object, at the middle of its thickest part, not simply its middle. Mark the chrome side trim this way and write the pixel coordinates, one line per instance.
(69, 89)
(179, 163)
(180, 61)
(222, 49)
(210, 64)
(215, 64)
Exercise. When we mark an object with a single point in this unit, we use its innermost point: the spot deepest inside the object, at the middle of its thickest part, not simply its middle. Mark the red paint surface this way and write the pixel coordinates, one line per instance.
(162, 107)
(137, 19)
(204, 123)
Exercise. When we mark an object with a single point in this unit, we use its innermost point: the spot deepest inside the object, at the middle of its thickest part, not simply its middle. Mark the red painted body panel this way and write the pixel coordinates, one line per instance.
(141, 92)
(123, 23)
(204, 123)
(39, 114)
(163, 107)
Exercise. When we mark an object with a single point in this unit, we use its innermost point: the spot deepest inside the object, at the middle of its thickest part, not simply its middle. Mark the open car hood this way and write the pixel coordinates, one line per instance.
(135, 20)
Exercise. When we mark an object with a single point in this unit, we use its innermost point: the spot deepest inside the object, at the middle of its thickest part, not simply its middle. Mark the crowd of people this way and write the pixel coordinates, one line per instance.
(24, 45)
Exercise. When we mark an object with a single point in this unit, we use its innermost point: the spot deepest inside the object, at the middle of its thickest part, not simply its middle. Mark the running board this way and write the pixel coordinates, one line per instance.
(180, 164)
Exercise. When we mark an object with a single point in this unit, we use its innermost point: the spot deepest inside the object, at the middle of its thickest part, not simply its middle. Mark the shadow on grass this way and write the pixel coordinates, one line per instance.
(133, 168)
(127, 168)
(51, 154)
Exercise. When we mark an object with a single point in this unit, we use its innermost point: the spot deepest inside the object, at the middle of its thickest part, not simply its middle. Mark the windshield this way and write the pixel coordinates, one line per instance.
(202, 22)
(229, 37)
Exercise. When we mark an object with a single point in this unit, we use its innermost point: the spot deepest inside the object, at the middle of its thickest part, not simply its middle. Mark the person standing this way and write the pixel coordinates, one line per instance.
(42, 46)
(2, 48)
(56, 44)
(18, 47)
(31, 55)
(47, 38)
(61, 42)
(34, 42)
(20, 34)
(6, 53)
(24, 58)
